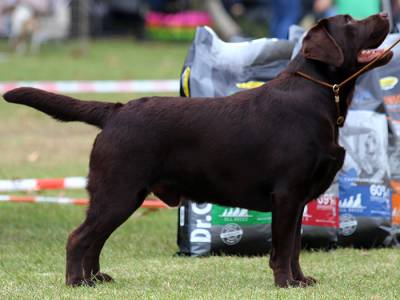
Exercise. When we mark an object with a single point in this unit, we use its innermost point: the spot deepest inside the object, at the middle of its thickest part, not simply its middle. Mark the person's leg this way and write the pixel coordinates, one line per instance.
(284, 14)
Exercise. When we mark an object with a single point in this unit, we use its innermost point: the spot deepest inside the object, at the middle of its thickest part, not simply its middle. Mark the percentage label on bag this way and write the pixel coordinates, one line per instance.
(327, 199)
(378, 190)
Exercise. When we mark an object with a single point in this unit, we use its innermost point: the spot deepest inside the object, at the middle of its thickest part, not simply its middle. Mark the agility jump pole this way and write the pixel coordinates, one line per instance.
(26, 185)
(148, 203)
(68, 183)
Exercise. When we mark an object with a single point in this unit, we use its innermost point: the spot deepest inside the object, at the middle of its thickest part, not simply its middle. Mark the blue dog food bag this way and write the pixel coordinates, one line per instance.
(364, 183)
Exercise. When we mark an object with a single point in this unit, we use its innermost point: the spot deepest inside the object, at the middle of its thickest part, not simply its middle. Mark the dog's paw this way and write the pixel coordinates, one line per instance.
(102, 277)
(309, 281)
(81, 282)
(306, 280)
(290, 283)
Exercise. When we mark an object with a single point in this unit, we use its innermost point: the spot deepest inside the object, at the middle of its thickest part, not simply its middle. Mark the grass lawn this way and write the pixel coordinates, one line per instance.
(105, 59)
(141, 254)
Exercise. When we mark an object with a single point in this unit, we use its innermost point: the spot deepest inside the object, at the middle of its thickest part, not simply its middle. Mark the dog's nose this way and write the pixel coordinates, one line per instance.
(384, 15)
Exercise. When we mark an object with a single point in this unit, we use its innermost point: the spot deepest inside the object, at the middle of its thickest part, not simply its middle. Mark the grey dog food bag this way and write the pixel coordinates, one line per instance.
(364, 186)
(214, 68)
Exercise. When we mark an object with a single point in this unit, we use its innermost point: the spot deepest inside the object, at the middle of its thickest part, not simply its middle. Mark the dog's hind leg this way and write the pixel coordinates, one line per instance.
(91, 261)
(285, 213)
(295, 262)
(109, 208)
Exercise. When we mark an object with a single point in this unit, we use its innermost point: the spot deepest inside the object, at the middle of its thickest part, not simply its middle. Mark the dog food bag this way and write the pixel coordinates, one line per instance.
(368, 94)
(320, 222)
(389, 82)
(205, 229)
(394, 162)
(389, 76)
(365, 208)
(215, 68)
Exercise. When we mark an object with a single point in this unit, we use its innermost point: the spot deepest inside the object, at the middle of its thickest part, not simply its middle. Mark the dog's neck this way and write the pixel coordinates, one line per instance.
(323, 73)
(319, 70)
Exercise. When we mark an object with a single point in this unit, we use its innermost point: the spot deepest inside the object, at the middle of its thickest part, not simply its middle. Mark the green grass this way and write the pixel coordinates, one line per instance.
(141, 254)
(105, 59)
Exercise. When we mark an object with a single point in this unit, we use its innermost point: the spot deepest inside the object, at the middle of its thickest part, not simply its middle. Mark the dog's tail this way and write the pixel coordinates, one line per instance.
(63, 108)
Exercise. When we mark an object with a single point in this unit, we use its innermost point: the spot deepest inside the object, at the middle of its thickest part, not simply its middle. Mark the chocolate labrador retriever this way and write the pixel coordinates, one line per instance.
(272, 148)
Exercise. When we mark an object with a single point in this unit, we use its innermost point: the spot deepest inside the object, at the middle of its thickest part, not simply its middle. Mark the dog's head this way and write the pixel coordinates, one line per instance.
(347, 44)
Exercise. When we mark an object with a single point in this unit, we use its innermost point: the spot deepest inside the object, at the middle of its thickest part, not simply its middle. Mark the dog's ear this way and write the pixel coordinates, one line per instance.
(319, 45)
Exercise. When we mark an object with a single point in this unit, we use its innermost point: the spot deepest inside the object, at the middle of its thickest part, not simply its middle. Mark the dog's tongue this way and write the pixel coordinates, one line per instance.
(366, 56)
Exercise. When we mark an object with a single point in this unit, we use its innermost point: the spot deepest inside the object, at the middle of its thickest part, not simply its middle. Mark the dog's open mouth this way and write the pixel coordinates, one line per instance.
(366, 56)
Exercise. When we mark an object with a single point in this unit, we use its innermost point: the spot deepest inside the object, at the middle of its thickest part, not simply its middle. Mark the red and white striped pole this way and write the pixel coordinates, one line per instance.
(151, 203)
(33, 184)
(19, 185)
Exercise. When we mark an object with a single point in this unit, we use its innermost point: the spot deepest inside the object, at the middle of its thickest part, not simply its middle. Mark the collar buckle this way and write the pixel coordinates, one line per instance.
(340, 121)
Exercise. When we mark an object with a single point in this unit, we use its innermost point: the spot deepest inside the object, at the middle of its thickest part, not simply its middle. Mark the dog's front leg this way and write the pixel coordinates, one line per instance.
(286, 210)
(295, 262)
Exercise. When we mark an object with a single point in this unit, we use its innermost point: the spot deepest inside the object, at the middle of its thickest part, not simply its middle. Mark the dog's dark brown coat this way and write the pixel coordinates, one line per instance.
(273, 148)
